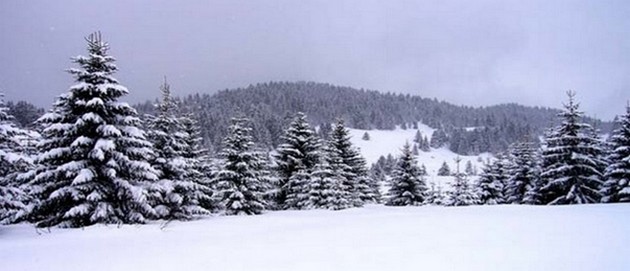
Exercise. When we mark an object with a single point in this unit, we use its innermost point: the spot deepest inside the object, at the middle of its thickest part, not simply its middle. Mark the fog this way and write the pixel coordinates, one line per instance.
(464, 52)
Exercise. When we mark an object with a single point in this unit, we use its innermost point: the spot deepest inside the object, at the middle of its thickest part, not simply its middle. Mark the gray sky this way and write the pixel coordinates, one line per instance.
(464, 52)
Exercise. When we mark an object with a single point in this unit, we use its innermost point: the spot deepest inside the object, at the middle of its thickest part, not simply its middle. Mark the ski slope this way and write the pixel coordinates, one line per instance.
(586, 237)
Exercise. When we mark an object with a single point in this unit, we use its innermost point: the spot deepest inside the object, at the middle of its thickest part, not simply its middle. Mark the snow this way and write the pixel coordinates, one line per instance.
(383, 142)
(508, 237)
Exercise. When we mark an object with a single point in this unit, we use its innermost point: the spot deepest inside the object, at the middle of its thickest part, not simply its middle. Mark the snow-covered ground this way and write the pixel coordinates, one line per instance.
(592, 237)
(383, 142)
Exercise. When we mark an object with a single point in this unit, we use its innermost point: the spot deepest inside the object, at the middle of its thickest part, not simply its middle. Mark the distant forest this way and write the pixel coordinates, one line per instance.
(270, 107)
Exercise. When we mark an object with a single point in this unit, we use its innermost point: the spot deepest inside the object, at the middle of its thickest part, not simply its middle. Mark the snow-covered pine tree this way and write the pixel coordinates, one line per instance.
(239, 181)
(444, 170)
(462, 194)
(408, 187)
(424, 146)
(435, 195)
(488, 189)
(92, 167)
(617, 175)
(418, 137)
(12, 162)
(469, 168)
(522, 172)
(326, 187)
(570, 161)
(198, 162)
(366, 136)
(295, 159)
(361, 187)
(175, 194)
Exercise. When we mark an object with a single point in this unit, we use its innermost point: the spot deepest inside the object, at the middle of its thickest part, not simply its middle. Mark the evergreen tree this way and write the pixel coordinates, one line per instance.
(326, 187)
(366, 136)
(295, 160)
(12, 163)
(444, 170)
(617, 174)
(462, 194)
(240, 183)
(571, 160)
(469, 168)
(408, 186)
(92, 167)
(424, 145)
(523, 173)
(198, 162)
(488, 188)
(435, 195)
(418, 137)
(358, 183)
(176, 194)
(439, 138)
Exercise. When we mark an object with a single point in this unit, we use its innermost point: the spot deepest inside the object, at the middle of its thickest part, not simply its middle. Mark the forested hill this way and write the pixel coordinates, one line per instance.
(467, 130)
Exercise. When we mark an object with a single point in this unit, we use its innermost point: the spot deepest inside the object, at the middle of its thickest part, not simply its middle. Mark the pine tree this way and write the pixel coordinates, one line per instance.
(295, 159)
(571, 160)
(489, 188)
(366, 136)
(92, 167)
(408, 186)
(240, 183)
(198, 162)
(435, 195)
(438, 138)
(358, 183)
(418, 137)
(462, 194)
(326, 188)
(617, 174)
(523, 173)
(12, 163)
(444, 170)
(469, 168)
(175, 195)
(424, 145)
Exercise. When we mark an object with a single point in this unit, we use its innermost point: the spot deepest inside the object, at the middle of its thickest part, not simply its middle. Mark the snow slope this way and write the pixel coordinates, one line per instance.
(586, 237)
(383, 142)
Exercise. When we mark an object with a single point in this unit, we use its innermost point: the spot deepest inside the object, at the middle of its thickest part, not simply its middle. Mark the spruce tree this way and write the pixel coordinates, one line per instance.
(408, 186)
(295, 159)
(175, 195)
(570, 161)
(326, 188)
(617, 174)
(359, 185)
(366, 136)
(92, 167)
(489, 190)
(12, 162)
(522, 172)
(198, 162)
(240, 181)
(444, 170)
(461, 194)
(435, 195)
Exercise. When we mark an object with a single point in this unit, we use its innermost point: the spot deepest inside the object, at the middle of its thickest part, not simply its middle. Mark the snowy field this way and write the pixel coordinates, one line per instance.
(593, 237)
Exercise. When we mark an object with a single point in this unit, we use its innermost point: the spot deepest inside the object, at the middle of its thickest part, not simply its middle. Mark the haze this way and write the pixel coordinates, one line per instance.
(464, 52)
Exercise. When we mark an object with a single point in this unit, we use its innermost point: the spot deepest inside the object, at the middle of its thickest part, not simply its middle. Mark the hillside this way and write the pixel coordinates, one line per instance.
(469, 130)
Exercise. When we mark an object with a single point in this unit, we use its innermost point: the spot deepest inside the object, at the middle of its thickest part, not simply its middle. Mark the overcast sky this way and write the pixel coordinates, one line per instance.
(464, 52)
